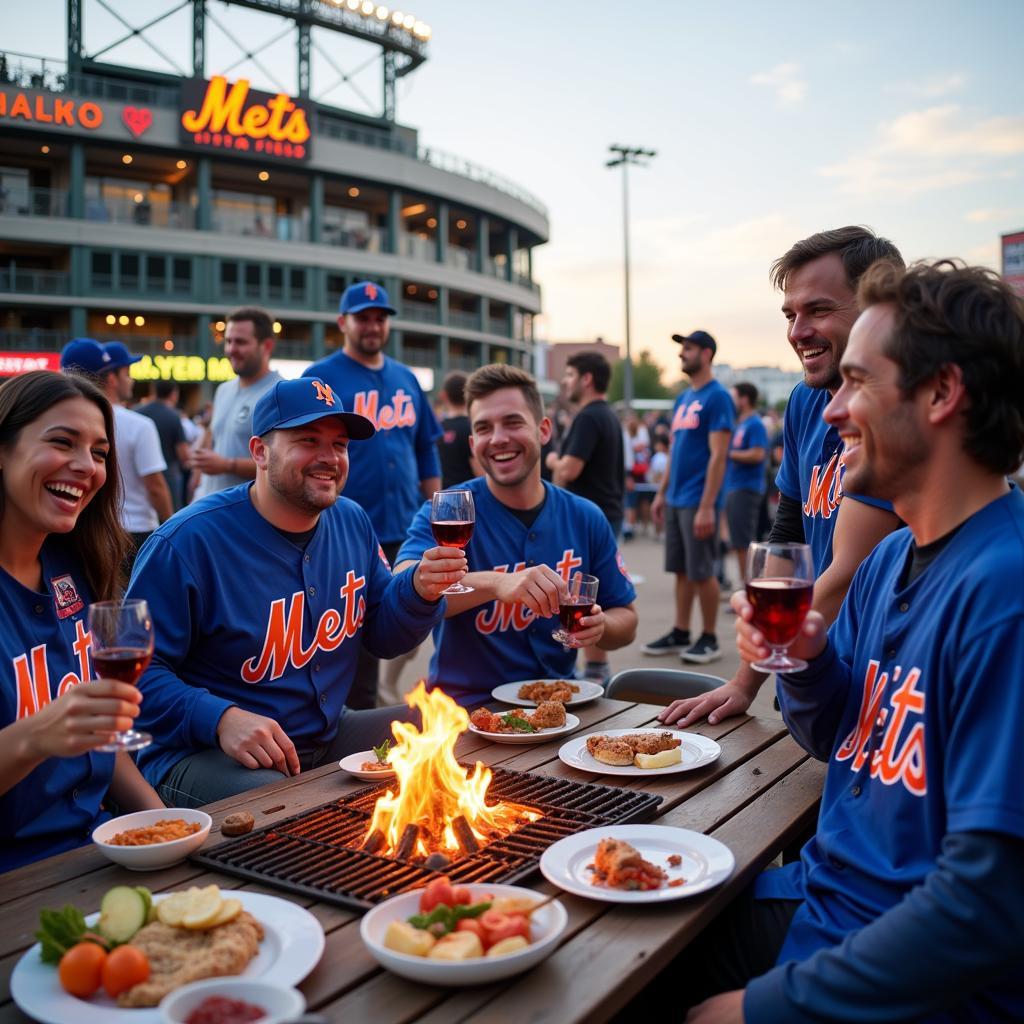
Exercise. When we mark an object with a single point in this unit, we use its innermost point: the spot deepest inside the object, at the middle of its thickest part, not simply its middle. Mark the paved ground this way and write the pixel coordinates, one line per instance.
(644, 557)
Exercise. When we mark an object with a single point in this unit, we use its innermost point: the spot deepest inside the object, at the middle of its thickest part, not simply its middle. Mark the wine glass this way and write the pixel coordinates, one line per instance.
(452, 516)
(780, 585)
(121, 647)
(582, 593)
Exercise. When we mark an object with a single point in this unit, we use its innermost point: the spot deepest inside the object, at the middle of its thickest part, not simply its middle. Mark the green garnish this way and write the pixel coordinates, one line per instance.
(443, 919)
(383, 752)
(517, 722)
(59, 931)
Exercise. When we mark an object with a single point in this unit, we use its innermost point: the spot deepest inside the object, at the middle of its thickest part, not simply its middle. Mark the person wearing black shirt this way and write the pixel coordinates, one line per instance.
(592, 460)
(163, 412)
(457, 462)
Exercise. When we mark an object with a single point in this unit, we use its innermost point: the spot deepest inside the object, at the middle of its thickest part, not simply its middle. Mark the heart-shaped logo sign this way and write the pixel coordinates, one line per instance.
(138, 119)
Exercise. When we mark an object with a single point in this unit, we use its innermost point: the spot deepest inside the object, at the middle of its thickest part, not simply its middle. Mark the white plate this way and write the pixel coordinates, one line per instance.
(351, 765)
(697, 751)
(541, 736)
(291, 948)
(546, 927)
(508, 692)
(706, 862)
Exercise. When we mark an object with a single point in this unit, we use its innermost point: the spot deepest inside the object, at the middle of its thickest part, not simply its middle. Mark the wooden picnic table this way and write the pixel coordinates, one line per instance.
(759, 797)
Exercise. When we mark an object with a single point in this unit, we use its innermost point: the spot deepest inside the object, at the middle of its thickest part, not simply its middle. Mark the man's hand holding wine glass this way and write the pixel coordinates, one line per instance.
(752, 646)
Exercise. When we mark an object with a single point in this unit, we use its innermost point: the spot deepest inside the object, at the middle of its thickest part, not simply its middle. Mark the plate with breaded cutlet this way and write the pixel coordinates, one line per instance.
(528, 693)
(268, 938)
(639, 752)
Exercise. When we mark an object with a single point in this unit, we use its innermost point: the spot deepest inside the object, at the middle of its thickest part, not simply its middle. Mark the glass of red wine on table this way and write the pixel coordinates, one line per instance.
(452, 516)
(780, 587)
(582, 593)
(121, 647)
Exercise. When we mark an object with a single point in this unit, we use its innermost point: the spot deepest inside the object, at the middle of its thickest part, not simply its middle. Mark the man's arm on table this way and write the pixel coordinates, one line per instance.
(859, 528)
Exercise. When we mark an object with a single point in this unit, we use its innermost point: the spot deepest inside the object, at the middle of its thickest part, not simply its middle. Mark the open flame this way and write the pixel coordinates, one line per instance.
(436, 797)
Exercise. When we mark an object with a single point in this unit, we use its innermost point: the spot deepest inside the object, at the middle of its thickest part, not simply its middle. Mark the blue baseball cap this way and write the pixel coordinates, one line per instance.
(365, 295)
(701, 338)
(291, 403)
(86, 355)
(119, 355)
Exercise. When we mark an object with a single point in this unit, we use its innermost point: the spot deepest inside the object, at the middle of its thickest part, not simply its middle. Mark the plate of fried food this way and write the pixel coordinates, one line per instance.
(370, 765)
(115, 966)
(549, 720)
(637, 863)
(639, 752)
(528, 693)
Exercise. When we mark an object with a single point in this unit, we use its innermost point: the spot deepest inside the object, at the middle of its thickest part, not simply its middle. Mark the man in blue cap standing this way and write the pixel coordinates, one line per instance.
(391, 474)
(146, 498)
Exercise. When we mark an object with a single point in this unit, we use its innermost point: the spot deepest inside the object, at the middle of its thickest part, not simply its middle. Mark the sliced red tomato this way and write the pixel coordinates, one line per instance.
(472, 924)
(437, 891)
(498, 926)
(460, 894)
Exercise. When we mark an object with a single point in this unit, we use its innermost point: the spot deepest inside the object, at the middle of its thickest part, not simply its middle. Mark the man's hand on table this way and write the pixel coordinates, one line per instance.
(726, 1008)
(730, 698)
(437, 570)
(256, 742)
(750, 641)
(540, 588)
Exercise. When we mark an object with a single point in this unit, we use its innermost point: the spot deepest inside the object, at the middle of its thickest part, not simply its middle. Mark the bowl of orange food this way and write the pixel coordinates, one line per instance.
(148, 840)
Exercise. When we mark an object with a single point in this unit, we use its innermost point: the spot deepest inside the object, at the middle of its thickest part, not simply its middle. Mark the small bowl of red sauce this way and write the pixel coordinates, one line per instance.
(231, 1001)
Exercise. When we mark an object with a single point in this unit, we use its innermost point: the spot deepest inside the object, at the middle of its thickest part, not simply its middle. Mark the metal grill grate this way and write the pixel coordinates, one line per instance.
(316, 853)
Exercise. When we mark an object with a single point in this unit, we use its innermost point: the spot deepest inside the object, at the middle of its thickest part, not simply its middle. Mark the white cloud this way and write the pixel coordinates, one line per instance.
(925, 150)
(785, 80)
(935, 86)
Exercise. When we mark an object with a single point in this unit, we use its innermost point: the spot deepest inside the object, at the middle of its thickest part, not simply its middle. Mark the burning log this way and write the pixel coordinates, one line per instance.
(375, 842)
(464, 834)
(407, 844)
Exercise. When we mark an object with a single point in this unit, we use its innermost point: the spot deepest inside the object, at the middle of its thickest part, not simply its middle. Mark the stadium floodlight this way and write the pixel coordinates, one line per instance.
(382, 13)
(623, 157)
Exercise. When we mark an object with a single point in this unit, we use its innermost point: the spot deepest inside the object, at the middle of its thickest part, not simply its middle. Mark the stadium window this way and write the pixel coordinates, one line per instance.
(156, 273)
(182, 275)
(102, 270)
(297, 283)
(128, 270)
(253, 285)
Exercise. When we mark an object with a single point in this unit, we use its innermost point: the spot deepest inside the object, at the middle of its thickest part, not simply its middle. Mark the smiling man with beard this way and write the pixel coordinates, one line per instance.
(261, 596)
(529, 537)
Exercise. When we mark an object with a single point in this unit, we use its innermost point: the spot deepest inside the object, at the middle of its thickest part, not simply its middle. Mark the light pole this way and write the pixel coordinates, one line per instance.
(624, 156)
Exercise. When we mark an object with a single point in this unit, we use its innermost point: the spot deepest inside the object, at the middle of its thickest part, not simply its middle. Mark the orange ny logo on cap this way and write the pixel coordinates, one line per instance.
(371, 292)
(323, 392)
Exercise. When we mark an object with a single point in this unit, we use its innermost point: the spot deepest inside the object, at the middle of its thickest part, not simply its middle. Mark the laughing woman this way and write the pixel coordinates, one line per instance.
(61, 547)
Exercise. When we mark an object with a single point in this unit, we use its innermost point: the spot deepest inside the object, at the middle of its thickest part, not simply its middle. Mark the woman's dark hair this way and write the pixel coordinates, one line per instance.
(945, 314)
(98, 538)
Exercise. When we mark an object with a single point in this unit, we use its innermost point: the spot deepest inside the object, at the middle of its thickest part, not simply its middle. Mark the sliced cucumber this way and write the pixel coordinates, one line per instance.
(147, 898)
(122, 913)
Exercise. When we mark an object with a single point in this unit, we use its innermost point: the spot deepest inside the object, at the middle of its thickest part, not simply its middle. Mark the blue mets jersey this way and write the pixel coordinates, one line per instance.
(745, 476)
(245, 617)
(44, 649)
(917, 706)
(385, 472)
(812, 470)
(698, 413)
(498, 643)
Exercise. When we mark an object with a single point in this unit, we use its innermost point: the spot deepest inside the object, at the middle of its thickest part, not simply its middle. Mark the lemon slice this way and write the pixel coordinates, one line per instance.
(203, 906)
(229, 910)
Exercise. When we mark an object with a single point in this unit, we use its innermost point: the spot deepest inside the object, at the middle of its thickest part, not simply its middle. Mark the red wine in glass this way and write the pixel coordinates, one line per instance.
(452, 515)
(452, 534)
(780, 606)
(573, 606)
(123, 663)
(120, 647)
(780, 586)
(570, 613)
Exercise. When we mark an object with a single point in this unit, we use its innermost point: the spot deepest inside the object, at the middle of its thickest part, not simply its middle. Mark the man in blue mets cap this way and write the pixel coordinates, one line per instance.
(399, 467)
(264, 594)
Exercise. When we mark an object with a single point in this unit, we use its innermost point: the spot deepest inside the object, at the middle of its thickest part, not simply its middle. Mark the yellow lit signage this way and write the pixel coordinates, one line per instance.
(184, 369)
(40, 108)
(239, 118)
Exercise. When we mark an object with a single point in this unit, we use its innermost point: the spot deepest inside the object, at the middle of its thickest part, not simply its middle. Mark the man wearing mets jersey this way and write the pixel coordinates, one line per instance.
(818, 278)
(261, 596)
(908, 903)
(399, 466)
(528, 539)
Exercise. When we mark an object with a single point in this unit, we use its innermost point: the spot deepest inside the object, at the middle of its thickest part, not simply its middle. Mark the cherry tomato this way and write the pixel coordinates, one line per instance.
(460, 894)
(125, 967)
(437, 891)
(498, 926)
(81, 969)
(472, 924)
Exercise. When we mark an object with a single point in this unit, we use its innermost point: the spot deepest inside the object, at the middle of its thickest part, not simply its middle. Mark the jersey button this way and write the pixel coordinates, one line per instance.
(533, 536)
(892, 652)
(855, 791)
(74, 794)
(904, 607)
(305, 558)
(323, 698)
(38, 609)
(312, 591)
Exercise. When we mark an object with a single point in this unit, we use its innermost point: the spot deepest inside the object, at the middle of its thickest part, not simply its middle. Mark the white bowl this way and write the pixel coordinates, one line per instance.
(279, 1004)
(155, 855)
(546, 926)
